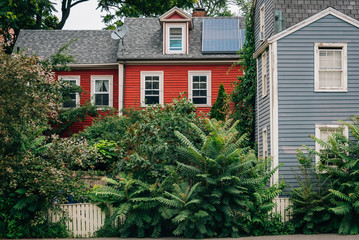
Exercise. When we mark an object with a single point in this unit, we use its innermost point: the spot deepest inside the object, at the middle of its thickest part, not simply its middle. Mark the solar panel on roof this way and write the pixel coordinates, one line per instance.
(221, 36)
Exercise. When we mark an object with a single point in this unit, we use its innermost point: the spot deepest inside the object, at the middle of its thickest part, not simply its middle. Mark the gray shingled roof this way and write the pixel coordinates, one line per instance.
(296, 11)
(143, 41)
(91, 46)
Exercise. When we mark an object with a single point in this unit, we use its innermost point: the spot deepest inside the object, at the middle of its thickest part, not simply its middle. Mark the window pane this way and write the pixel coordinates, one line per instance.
(175, 31)
(102, 85)
(102, 99)
(329, 79)
(152, 99)
(176, 44)
(199, 100)
(70, 101)
(195, 78)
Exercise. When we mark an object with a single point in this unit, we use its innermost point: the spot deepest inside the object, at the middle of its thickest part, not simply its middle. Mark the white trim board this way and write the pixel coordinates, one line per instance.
(274, 111)
(312, 19)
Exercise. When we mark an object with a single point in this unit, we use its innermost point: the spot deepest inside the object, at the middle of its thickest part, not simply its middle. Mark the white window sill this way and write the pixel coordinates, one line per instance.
(202, 105)
(331, 90)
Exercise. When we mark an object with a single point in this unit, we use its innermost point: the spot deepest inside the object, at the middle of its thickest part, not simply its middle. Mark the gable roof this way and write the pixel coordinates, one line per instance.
(91, 46)
(144, 41)
(312, 19)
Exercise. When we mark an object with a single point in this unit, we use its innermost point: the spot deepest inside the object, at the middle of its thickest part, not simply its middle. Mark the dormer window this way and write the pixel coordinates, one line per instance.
(175, 38)
(176, 25)
(176, 43)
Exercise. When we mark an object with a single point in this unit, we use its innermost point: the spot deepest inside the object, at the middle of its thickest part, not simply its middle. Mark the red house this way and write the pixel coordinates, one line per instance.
(157, 59)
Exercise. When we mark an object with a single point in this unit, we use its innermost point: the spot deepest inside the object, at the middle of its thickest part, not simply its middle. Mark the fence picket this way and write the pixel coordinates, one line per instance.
(87, 218)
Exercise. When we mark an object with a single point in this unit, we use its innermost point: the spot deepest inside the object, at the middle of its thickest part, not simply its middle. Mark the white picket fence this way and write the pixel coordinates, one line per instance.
(87, 218)
(281, 207)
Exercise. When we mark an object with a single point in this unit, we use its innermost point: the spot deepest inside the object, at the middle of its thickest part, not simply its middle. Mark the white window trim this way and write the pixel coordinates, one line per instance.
(176, 25)
(102, 77)
(264, 143)
(151, 73)
(262, 21)
(209, 86)
(77, 79)
(344, 87)
(317, 135)
(264, 73)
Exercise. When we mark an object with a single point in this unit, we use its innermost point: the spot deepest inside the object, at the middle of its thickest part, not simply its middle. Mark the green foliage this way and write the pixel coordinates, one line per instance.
(220, 108)
(34, 14)
(117, 9)
(109, 151)
(135, 209)
(233, 182)
(34, 169)
(109, 127)
(150, 144)
(217, 190)
(310, 202)
(339, 163)
(244, 92)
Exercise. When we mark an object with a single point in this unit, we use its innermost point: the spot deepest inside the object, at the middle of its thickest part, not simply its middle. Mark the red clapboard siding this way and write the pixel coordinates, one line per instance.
(176, 80)
(85, 82)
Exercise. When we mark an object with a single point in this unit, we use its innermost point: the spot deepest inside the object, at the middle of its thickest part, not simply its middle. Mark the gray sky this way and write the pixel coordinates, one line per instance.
(85, 16)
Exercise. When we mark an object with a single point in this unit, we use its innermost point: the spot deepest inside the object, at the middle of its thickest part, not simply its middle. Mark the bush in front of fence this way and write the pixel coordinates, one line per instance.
(218, 189)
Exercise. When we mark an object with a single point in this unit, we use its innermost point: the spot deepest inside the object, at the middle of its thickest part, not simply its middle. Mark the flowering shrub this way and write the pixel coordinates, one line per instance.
(35, 170)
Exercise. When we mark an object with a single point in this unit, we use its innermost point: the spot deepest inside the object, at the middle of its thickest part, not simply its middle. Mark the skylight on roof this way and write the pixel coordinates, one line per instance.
(221, 36)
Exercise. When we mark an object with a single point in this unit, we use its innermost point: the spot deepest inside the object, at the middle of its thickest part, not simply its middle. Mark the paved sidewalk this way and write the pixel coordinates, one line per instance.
(280, 237)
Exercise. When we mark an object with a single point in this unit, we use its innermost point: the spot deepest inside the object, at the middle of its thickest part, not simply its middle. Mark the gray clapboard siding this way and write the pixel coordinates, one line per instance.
(268, 19)
(263, 107)
(300, 108)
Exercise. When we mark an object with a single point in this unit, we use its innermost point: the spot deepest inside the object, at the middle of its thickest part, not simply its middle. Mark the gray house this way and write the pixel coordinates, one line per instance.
(307, 56)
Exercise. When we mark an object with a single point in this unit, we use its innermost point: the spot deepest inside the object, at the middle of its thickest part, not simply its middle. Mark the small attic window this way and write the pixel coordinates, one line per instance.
(176, 43)
(175, 38)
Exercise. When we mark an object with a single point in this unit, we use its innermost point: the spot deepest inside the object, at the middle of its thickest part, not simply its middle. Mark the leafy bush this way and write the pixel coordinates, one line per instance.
(217, 190)
(310, 202)
(340, 165)
(109, 127)
(220, 108)
(136, 211)
(35, 170)
(233, 182)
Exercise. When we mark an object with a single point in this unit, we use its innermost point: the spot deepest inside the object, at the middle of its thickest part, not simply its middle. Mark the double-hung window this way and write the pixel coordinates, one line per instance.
(71, 100)
(330, 67)
(102, 90)
(324, 132)
(151, 88)
(200, 87)
(176, 40)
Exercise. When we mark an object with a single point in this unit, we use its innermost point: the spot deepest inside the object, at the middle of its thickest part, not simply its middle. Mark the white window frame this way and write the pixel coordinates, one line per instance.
(265, 142)
(184, 46)
(344, 87)
(319, 127)
(262, 21)
(160, 74)
(75, 78)
(264, 75)
(93, 87)
(209, 86)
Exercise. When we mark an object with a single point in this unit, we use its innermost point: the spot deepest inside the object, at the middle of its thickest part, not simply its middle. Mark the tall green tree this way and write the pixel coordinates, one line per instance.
(34, 14)
(220, 108)
(244, 92)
